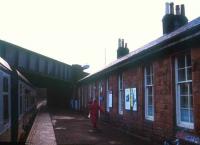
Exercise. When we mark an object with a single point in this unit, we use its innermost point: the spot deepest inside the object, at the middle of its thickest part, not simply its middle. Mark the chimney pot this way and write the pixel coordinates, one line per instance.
(171, 8)
(167, 8)
(178, 10)
(182, 10)
(125, 45)
(122, 43)
(119, 43)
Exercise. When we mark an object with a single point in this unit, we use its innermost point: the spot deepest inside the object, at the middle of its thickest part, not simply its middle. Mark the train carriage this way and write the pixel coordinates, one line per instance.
(10, 79)
(5, 100)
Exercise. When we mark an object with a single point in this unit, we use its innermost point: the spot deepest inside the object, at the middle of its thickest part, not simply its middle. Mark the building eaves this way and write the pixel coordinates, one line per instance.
(183, 33)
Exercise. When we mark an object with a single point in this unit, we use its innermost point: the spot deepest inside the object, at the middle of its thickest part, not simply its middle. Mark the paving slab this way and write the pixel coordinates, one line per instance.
(42, 132)
(73, 128)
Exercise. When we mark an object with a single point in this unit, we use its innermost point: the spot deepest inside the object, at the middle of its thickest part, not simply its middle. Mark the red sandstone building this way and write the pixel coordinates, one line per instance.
(153, 92)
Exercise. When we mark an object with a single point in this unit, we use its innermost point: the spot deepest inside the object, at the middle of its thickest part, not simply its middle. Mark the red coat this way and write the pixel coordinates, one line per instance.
(94, 111)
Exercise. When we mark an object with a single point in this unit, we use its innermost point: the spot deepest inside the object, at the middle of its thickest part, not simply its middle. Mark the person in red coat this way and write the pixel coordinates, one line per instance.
(89, 107)
(94, 113)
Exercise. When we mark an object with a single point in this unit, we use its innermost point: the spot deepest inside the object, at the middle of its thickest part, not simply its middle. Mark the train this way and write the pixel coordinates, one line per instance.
(18, 104)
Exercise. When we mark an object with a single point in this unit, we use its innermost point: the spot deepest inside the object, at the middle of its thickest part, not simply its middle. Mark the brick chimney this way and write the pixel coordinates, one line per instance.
(122, 50)
(173, 21)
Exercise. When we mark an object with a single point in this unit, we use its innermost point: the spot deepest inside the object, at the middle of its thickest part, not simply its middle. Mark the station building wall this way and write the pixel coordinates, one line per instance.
(165, 121)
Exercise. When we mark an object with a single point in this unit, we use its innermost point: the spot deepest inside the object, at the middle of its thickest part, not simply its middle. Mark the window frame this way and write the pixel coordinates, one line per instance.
(5, 126)
(120, 94)
(179, 122)
(146, 95)
(107, 94)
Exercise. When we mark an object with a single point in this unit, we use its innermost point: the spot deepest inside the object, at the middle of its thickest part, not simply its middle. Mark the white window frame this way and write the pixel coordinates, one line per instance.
(147, 116)
(4, 127)
(107, 95)
(120, 94)
(189, 125)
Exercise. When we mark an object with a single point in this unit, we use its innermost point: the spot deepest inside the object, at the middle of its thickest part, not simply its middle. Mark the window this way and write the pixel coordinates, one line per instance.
(20, 99)
(120, 94)
(5, 109)
(82, 98)
(107, 96)
(5, 95)
(93, 91)
(149, 105)
(184, 99)
(79, 97)
(100, 91)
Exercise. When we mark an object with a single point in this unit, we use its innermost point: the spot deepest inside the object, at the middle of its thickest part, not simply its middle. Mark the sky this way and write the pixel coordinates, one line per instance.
(84, 32)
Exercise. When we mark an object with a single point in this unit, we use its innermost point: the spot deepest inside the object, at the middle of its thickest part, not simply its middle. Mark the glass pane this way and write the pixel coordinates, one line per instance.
(149, 90)
(150, 110)
(181, 75)
(150, 102)
(191, 116)
(189, 73)
(147, 70)
(5, 84)
(191, 102)
(189, 60)
(5, 109)
(183, 89)
(190, 88)
(185, 115)
(184, 101)
(181, 61)
(149, 80)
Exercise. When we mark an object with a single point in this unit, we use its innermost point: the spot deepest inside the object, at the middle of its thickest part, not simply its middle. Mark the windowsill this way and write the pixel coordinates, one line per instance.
(186, 125)
(148, 118)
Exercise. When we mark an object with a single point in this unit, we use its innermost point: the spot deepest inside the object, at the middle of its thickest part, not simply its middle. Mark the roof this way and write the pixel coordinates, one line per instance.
(3, 42)
(4, 64)
(186, 32)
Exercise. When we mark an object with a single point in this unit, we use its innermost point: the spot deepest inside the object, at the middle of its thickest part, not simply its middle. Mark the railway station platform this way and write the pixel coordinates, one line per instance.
(61, 127)
(72, 128)
(42, 132)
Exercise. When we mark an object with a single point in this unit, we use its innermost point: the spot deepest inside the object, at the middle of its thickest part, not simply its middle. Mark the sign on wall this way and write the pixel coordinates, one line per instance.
(110, 99)
(127, 99)
(133, 98)
(130, 99)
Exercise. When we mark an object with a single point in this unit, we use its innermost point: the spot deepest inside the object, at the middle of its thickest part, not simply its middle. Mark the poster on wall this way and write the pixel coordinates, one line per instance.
(110, 99)
(127, 99)
(133, 97)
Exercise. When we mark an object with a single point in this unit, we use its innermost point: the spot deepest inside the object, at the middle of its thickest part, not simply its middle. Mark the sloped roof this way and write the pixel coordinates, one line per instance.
(184, 33)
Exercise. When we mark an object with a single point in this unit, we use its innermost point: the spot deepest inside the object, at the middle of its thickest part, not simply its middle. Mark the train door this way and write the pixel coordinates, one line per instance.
(5, 96)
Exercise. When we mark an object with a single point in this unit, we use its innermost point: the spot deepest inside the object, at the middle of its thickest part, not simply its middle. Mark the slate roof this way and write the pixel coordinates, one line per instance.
(184, 33)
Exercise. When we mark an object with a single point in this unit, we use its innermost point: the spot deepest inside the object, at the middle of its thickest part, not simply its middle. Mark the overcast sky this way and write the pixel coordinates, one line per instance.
(79, 31)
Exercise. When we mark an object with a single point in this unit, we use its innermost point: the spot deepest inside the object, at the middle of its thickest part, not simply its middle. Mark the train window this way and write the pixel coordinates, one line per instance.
(5, 84)
(5, 109)
(20, 98)
(5, 95)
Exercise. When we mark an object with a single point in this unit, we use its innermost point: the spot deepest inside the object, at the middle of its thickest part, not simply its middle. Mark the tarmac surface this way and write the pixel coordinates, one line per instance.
(72, 128)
